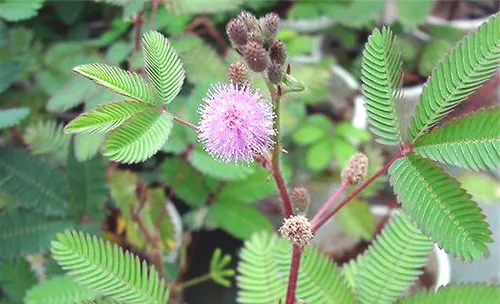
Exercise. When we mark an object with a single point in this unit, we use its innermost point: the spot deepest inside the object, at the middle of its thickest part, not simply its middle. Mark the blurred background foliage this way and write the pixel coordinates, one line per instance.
(51, 181)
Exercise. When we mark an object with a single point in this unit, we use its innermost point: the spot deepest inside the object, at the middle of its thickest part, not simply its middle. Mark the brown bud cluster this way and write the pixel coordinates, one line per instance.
(300, 200)
(238, 74)
(277, 52)
(237, 31)
(356, 169)
(297, 229)
(270, 24)
(249, 19)
(256, 56)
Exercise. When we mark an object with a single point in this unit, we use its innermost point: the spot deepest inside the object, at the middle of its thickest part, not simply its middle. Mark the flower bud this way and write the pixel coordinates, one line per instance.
(250, 21)
(238, 74)
(256, 56)
(277, 52)
(356, 169)
(256, 35)
(300, 200)
(297, 229)
(270, 24)
(275, 72)
(237, 31)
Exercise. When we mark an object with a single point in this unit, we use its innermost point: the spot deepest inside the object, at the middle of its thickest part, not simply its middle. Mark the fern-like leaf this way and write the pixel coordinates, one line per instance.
(16, 278)
(120, 81)
(11, 117)
(59, 290)
(163, 66)
(457, 76)
(108, 269)
(457, 294)
(394, 261)
(32, 182)
(472, 142)
(382, 78)
(46, 138)
(140, 137)
(265, 266)
(27, 233)
(106, 117)
(442, 210)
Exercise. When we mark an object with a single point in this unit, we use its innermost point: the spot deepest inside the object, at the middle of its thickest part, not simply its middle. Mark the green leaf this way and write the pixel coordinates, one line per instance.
(46, 138)
(413, 13)
(9, 72)
(265, 265)
(59, 290)
(191, 7)
(382, 79)
(12, 117)
(163, 66)
(357, 220)
(431, 54)
(457, 294)
(87, 185)
(483, 188)
(314, 129)
(108, 269)
(32, 182)
(206, 164)
(87, 145)
(319, 156)
(471, 142)
(218, 271)
(458, 75)
(106, 117)
(69, 95)
(441, 209)
(14, 10)
(140, 137)
(27, 233)
(120, 81)
(252, 188)
(16, 277)
(187, 183)
(392, 264)
(238, 219)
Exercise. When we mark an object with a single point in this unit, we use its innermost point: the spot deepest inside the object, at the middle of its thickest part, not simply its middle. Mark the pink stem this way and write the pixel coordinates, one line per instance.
(330, 201)
(287, 204)
(294, 273)
(186, 123)
(360, 188)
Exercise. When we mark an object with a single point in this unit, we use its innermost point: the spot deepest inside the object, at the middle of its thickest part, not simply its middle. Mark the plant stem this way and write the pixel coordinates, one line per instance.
(154, 9)
(138, 21)
(324, 219)
(276, 170)
(330, 201)
(294, 273)
(186, 123)
(196, 280)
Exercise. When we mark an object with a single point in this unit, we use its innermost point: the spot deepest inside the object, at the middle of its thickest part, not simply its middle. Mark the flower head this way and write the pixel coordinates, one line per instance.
(235, 123)
(297, 229)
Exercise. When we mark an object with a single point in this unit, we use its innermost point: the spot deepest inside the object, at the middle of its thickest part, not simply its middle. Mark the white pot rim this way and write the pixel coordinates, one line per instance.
(464, 25)
(443, 275)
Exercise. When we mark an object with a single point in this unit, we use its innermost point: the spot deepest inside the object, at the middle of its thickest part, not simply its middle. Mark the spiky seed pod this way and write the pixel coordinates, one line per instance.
(237, 31)
(256, 35)
(255, 56)
(238, 74)
(249, 19)
(277, 52)
(297, 229)
(300, 200)
(275, 72)
(270, 24)
(356, 169)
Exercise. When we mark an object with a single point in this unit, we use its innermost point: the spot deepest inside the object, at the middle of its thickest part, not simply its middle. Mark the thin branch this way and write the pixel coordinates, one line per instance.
(195, 281)
(324, 219)
(330, 201)
(211, 30)
(154, 9)
(138, 21)
(186, 123)
(294, 273)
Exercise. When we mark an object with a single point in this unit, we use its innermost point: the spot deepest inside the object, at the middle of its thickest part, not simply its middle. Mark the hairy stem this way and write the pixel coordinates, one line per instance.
(294, 273)
(316, 225)
(196, 280)
(138, 21)
(186, 123)
(330, 201)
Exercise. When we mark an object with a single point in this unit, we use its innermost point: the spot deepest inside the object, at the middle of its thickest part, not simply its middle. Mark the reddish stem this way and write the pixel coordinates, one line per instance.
(287, 204)
(138, 21)
(186, 123)
(330, 201)
(324, 219)
(294, 273)
(154, 9)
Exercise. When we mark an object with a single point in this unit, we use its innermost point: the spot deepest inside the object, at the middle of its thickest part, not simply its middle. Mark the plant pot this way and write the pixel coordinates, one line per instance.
(333, 241)
(467, 25)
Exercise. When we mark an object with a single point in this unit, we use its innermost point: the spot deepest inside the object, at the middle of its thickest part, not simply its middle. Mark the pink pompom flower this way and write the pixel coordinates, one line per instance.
(235, 123)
